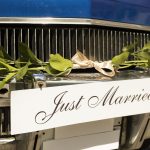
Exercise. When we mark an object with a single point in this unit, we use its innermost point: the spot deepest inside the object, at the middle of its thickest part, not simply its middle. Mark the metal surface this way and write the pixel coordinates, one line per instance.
(71, 21)
(96, 42)
(137, 129)
(125, 11)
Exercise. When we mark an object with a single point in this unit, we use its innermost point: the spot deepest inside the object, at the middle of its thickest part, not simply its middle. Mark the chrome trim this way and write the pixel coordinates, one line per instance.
(6, 140)
(70, 21)
(24, 20)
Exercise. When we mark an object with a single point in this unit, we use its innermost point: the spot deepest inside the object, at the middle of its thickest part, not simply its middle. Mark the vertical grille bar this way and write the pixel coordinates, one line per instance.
(83, 41)
(0, 38)
(98, 48)
(6, 41)
(56, 41)
(14, 44)
(49, 41)
(103, 45)
(123, 39)
(144, 38)
(63, 43)
(35, 43)
(148, 36)
(119, 42)
(76, 39)
(69, 44)
(127, 38)
(111, 43)
(89, 43)
(94, 43)
(21, 35)
(107, 43)
(28, 37)
(4, 121)
(141, 40)
(42, 44)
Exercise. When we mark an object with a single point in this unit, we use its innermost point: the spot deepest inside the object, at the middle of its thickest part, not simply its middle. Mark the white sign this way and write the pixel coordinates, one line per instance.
(36, 109)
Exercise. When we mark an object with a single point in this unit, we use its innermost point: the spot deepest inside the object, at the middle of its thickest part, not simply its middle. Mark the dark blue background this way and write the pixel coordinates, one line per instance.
(129, 11)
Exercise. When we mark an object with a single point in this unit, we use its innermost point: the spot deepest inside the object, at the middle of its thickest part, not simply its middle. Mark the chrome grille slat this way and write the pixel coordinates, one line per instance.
(6, 40)
(103, 45)
(94, 49)
(76, 39)
(111, 38)
(97, 43)
(147, 38)
(119, 44)
(141, 40)
(0, 38)
(83, 41)
(28, 37)
(42, 44)
(4, 121)
(13, 44)
(144, 38)
(63, 43)
(127, 38)
(91, 53)
(21, 35)
(134, 37)
(56, 41)
(35, 42)
(69, 43)
(107, 42)
(89, 43)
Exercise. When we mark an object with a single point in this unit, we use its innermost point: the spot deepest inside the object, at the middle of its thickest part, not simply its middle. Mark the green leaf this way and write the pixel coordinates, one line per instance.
(129, 48)
(120, 59)
(22, 71)
(4, 55)
(148, 64)
(126, 66)
(65, 73)
(51, 71)
(7, 66)
(146, 47)
(3, 71)
(20, 62)
(6, 79)
(27, 54)
(143, 55)
(56, 73)
(58, 63)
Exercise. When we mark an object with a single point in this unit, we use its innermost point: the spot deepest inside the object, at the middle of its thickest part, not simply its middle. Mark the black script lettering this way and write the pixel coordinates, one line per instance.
(42, 117)
(148, 96)
(95, 101)
(111, 97)
(136, 97)
(118, 100)
(78, 103)
(71, 105)
(60, 106)
(127, 98)
(145, 97)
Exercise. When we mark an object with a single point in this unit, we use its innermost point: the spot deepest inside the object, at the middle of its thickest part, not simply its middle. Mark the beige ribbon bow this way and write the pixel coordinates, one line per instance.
(81, 61)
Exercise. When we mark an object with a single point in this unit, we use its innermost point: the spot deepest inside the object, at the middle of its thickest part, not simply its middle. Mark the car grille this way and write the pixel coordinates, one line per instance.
(96, 42)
